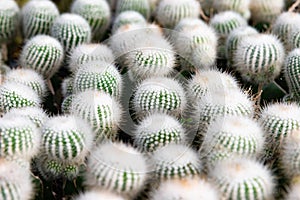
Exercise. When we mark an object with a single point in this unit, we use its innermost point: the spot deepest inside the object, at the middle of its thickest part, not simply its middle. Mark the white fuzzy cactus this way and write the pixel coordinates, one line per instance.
(9, 19)
(292, 72)
(86, 53)
(98, 194)
(42, 53)
(259, 58)
(96, 12)
(101, 111)
(28, 77)
(118, 168)
(159, 94)
(265, 11)
(240, 6)
(38, 17)
(175, 161)
(128, 17)
(17, 95)
(188, 189)
(169, 12)
(71, 30)
(67, 86)
(158, 130)
(243, 179)
(141, 6)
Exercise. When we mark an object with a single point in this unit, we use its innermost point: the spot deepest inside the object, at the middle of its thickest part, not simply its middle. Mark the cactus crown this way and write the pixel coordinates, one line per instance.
(141, 6)
(128, 17)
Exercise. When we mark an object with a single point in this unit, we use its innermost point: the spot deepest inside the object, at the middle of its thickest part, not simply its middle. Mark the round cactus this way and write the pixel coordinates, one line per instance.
(96, 12)
(159, 94)
(38, 17)
(231, 137)
(9, 19)
(100, 110)
(16, 95)
(71, 30)
(19, 137)
(188, 189)
(15, 182)
(123, 170)
(86, 53)
(66, 139)
(42, 53)
(67, 87)
(29, 78)
(259, 58)
(158, 130)
(284, 26)
(67, 103)
(240, 6)
(128, 17)
(265, 11)
(98, 194)
(243, 179)
(175, 161)
(170, 12)
(292, 72)
(100, 76)
(141, 6)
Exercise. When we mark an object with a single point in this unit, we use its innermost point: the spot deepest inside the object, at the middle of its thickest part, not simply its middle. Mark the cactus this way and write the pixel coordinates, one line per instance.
(101, 110)
(71, 30)
(240, 6)
(38, 17)
(259, 58)
(67, 87)
(175, 161)
(158, 130)
(86, 53)
(96, 12)
(294, 39)
(128, 17)
(9, 20)
(292, 72)
(243, 179)
(232, 137)
(141, 6)
(66, 138)
(29, 78)
(188, 188)
(16, 95)
(100, 76)
(66, 104)
(42, 53)
(159, 94)
(265, 11)
(170, 12)
(118, 168)
(98, 194)
(19, 137)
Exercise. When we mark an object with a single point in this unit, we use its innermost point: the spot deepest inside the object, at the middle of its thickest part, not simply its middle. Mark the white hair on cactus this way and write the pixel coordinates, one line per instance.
(28, 77)
(128, 17)
(9, 19)
(141, 6)
(98, 194)
(67, 86)
(187, 188)
(118, 168)
(240, 6)
(265, 11)
(175, 161)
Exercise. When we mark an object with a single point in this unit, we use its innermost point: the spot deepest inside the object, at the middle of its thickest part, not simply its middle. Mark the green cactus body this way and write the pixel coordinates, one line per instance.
(66, 104)
(96, 12)
(38, 17)
(292, 72)
(128, 17)
(239, 6)
(9, 19)
(141, 6)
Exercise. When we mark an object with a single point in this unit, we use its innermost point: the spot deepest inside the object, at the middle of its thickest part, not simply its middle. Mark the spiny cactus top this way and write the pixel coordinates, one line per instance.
(292, 72)
(38, 17)
(187, 188)
(128, 17)
(243, 179)
(96, 12)
(28, 77)
(98, 194)
(170, 12)
(86, 53)
(71, 30)
(284, 26)
(17, 95)
(15, 181)
(67, 138)
(158, 130)
(259, 58)
(159, 94)
(175, 161)
(19, 137)
(9, 19)
(141, 6)
(118, 168)
(42, 53)
(265, 11)
(240, 6)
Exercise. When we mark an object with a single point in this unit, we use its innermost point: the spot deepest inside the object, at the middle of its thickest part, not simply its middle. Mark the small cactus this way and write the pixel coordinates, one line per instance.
(292, 72)
(141, 6)
(243, 179)
(259, 58)
(67, 87)
(128, 17)
(42, 53)
(9, 20)
(265, 11)
(98, 194)
(240, 6)
(96, 12)
(71, 30)
(118, 168)
(38, 17)
(158, 130)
